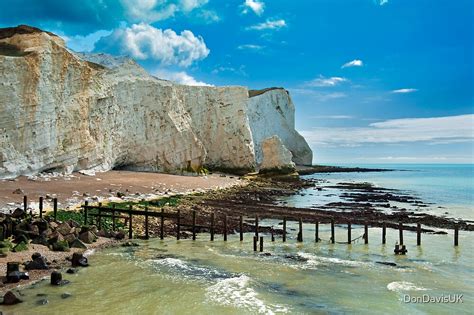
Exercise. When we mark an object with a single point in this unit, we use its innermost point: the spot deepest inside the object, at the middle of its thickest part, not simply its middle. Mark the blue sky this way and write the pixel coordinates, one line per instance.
(373, 81)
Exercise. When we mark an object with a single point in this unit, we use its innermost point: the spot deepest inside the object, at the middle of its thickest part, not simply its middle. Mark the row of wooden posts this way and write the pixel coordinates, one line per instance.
(102, 212)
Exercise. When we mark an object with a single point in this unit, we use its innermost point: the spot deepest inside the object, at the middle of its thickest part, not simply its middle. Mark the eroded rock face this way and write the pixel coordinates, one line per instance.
(61, 111)
(276, 157)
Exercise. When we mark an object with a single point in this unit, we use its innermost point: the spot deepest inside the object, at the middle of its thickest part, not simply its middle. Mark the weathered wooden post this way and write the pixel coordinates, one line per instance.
(162, 224)
(86, 205)
(55, 208)
(349, 228)
(284, 229)
(178, 225)
(130, 229)
(147, 236)
(212, 226)
(316, 232)
(25, 203)
(254, 243)
(456, 234)
(333, 237)
(261, 243)
(99, 218)
(384, 232)
(418, 234)
(256, 226)
(194, 225)
(225, 227)
(366, 233)
(273, 235)
(113, 217)
(241, 228)
(41, 206)
(400, 232)
(300, 233)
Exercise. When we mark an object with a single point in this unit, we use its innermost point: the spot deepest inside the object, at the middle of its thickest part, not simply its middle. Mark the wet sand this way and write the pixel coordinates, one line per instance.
(72, 190)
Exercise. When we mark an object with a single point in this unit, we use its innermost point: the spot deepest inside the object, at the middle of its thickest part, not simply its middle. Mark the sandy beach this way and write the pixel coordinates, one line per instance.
(72, 190)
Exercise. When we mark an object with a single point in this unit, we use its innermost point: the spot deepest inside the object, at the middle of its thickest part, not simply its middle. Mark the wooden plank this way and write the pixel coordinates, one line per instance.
(147, 235)
(162, 223)
(178, 227)
(41, 206)
(86, 204)
(400, 232)
(194, 225)
(349, 230)
(225, 228)
(366, 233)
(284, 229)
(212, 226)
(241, 229)
(300, 232)
(130, 228)
(418, 234)
(333, 236)
(384, 233)
(316, 232)
(55, 208)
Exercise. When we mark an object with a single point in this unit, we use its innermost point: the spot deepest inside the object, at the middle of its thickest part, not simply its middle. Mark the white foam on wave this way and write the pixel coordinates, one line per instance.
(89, 252)
(314, 260)
(398, 286)
(236, 292)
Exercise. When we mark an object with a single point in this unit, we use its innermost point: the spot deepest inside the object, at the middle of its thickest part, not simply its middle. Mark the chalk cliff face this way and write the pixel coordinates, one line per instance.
(64, 111)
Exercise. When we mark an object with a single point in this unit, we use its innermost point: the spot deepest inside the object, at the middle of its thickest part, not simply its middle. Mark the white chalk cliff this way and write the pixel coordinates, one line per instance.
(64, 111)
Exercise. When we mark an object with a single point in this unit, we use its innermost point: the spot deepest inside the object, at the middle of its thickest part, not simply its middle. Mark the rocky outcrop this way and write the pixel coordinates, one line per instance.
(64, 111)
(276, 157)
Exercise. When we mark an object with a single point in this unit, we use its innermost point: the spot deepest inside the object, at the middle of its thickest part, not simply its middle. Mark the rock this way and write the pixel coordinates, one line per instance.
(42, 302)
(77, 244)
(73, 224)
(71, 271)
(87, 237)
(119, 235)
(53, 225)
(16, 276)
(18, 213)
(276, 158)
(11, 298)
(57, 279)
(64, 229)
(55, 237)
(61, 246)
(386, 263)
(78, 260)
(19, 191)
(130, 244)
(157, 125)
(70, 238)
(66, 295)
(39, 262)
(40, 240)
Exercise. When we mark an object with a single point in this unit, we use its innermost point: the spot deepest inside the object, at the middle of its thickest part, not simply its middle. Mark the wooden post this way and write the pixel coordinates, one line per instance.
(225, 227)
(273, 235)
(130, 229)
(241, 231)
(300, 233)
(366, 233)
(113, 217)
(147, 236)
(333, 237)
(86, 205)
(99, 218)
(25, 203)
(254, 243)
(284, 229)
(194, 225)
(41, 206)
(178, 223)
(55, 208)
(162, 224)
(256, 226)
(349, 237)
(400, 232)
(212, 226)
(384, 232)
(456, 235)
(418, 234)
(316, 232)
(261, 243)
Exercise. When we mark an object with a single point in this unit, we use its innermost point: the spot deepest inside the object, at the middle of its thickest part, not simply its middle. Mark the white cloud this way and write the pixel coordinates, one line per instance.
(256, 6)
(383, 2)
(325, 82)
(449, 129)
(180, 77)
(268, 25)
(353, 63)
(157, 10)
(143, 41)
(404, 91)
(250, 47)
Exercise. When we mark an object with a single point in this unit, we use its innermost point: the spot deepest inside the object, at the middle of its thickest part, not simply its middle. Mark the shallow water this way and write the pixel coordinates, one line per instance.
(198, 277)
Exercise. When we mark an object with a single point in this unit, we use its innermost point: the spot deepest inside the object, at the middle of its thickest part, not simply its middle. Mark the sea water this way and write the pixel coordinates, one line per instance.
(203, 277)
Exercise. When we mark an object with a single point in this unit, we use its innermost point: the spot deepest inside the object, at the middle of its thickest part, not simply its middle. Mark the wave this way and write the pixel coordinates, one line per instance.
(236, 292)
(314, 260)
(399, 286)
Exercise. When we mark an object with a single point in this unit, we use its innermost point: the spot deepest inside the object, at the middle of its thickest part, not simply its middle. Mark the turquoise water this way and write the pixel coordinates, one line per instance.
(449, 188)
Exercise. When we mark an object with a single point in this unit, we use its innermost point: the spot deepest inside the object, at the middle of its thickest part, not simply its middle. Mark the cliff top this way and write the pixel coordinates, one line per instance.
(253, 93)
(21, 29)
